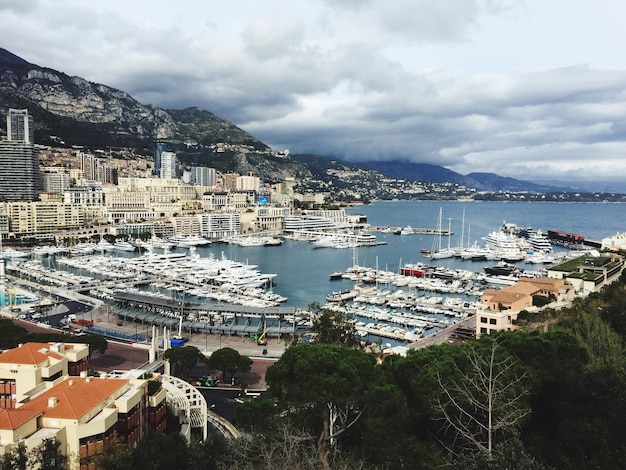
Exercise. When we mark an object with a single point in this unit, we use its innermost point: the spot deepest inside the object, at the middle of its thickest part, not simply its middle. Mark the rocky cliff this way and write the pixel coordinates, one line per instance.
(73, 111)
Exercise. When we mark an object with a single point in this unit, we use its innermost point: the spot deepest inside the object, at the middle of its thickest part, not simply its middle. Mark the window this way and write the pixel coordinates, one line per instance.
(483, 319)
(492, 321)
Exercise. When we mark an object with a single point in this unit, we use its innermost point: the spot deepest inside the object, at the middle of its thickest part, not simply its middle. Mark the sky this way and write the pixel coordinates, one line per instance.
(530, 89)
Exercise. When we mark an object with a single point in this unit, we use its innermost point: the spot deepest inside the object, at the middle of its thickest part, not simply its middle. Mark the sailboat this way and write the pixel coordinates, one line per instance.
(439, 252)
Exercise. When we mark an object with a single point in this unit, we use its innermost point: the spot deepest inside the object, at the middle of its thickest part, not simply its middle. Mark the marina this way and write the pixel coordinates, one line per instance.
(392, 290)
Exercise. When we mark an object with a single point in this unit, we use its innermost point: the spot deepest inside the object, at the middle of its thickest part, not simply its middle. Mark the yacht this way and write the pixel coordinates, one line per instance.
(122, 245)
(540, 242)
(188, 241)
(500, 241)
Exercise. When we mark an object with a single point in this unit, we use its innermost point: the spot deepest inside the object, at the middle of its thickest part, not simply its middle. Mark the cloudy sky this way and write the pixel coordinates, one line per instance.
(531, 89)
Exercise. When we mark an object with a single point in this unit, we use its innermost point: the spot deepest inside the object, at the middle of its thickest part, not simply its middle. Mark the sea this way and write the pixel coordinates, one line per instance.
(303, 272)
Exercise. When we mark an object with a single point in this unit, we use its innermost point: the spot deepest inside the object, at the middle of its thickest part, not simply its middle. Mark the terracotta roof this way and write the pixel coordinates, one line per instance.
(29, 353)
(12, 419)
(76, 396)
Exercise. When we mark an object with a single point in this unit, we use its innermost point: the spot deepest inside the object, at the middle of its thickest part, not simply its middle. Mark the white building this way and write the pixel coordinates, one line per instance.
(248, 183)
(219, 225)
(168, 165)
(615, 243)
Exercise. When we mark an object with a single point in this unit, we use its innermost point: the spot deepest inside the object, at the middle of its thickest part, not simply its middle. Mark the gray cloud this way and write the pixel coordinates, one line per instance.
(476, 85)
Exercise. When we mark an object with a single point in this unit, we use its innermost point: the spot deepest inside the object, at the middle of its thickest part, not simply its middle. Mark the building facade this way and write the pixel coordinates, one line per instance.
(20, 177)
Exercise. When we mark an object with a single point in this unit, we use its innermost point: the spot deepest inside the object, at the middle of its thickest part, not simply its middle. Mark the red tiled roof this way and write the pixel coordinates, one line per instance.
(12, 419)
(76, 396)
(29, 353)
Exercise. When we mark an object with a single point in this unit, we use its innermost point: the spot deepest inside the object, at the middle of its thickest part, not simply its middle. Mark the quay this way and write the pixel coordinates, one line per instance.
(227, 319)
(416, 230)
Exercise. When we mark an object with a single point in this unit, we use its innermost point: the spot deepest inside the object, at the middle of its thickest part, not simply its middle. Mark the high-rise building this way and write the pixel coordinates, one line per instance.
(159, 148)
(20, 178)
(20, 126)
(203, 176)
(168, 165)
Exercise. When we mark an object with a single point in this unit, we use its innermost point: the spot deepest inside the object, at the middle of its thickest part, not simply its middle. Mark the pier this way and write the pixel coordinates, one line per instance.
(416, 230)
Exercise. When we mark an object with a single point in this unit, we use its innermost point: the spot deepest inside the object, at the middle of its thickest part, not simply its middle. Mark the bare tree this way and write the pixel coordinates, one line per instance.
(484, 398)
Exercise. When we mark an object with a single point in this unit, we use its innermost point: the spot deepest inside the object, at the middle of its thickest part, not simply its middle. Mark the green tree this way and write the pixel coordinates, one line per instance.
(17, 459)
(117, 456)
(183, 359)
(335, 327)
(10, 334)
(604, 345)
(161, 452)
(510, 456)
(229, 362)
(327, 380)
(48, 456)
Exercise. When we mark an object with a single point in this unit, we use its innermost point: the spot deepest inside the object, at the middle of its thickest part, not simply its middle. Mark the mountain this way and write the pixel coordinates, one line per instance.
(73, 111)
(439, 174)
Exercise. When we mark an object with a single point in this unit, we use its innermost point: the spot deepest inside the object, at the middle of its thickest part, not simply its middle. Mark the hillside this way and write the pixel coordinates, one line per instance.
(439, 174)
(73, 111)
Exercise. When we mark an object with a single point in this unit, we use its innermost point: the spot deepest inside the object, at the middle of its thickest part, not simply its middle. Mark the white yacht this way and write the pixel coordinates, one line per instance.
(122, 245)
(188, 241)
(540, 242)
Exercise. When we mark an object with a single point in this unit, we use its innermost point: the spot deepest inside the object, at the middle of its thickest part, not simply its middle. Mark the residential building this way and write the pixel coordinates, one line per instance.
(84, 414)
(248, 183)
(219, 225)
(499, 308)
(43, 217)
(55, 182)
(20, 177)
(203, 176)
(168, 165)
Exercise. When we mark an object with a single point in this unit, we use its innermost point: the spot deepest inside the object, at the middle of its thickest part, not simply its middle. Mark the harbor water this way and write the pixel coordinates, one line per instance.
(303, 271)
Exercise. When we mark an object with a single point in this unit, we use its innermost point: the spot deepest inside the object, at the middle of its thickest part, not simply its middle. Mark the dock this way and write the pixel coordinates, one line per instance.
(416, 230)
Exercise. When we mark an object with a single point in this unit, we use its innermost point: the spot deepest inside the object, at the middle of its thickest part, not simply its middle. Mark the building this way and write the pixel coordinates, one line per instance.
(247, 183)
(20, 177)
(219, 225)
(616, 242)
(499, 308)
(159, 148)
(55, 182)
(589, 273)
(43, 217)
(168, 165)
(84, 414)
(203, 176)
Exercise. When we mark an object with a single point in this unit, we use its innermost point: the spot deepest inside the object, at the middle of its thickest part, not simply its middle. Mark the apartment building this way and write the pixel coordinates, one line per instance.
(84, 414)
(499, 308)
(43, 217)
(219, 225)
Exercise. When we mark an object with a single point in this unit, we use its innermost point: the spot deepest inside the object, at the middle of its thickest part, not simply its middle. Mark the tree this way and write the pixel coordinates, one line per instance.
(510, 456)
(117, 456)
(335, 327)
(229, 362)
(48, 456)
(161, 452)
(327, 380)
(17, 459)
(486, 399)
(10, 334)
(605, 347)
(184, 358)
